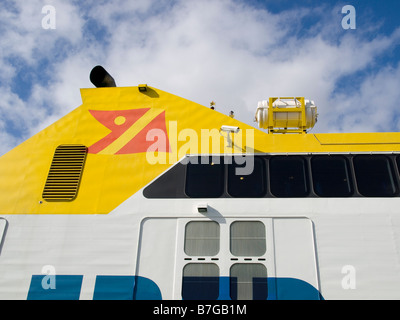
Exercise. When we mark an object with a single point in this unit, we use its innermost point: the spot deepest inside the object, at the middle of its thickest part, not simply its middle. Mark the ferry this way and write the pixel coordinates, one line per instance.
(139, 194)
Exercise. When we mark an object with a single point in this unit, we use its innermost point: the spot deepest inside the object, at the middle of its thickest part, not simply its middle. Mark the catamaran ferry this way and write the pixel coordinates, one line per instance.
(140, 194)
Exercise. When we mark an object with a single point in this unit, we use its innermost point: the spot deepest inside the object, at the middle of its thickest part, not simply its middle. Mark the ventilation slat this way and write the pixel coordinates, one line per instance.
(65, 173)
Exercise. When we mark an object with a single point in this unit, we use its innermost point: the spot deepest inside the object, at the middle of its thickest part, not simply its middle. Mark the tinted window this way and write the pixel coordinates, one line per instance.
(248, 281)
(331, 176)
(248, 238)
(200, 281)
(374, 175)
(205, 179)
(202, 238)
(288, 176)
(170, 184)
(246, 177)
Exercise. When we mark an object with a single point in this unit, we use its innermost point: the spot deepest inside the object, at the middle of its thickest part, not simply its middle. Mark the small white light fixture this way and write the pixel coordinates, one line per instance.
(230, 129)
(202, 208)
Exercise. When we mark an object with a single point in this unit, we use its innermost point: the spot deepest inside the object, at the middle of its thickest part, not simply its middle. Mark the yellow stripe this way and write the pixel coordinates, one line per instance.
(129, 134)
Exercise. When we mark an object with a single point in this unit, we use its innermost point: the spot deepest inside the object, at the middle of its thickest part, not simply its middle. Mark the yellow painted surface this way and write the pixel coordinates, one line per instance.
(109, 178)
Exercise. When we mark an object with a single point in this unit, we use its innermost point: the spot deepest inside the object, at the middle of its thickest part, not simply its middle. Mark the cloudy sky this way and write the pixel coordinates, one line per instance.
(234, 52)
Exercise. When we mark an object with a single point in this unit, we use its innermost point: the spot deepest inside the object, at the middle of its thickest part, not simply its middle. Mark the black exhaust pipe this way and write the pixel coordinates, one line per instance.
(101, 78)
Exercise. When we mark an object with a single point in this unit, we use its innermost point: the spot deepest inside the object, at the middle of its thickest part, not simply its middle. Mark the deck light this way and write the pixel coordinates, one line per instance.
(202, 208)
(142, 87)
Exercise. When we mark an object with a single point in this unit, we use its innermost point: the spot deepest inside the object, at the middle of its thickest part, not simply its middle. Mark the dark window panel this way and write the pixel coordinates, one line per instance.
(374, 175)
(288, 176)
(331, 176)
(171, 184)
(250, 183)
(205, 179)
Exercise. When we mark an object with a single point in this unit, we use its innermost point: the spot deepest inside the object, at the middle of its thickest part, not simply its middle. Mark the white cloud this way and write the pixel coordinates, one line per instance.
(15, 114)
(23, 35)
(236, 55)
(373, 105)
(203, 50)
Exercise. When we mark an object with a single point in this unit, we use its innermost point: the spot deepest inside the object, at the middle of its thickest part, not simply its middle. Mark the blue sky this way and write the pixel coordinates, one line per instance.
(234, 52)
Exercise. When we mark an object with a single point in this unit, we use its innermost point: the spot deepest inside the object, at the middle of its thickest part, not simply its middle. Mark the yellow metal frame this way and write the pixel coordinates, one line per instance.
(302, 109)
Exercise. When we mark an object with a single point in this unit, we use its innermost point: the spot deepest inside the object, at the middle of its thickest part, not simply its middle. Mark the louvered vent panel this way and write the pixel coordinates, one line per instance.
(65, 173)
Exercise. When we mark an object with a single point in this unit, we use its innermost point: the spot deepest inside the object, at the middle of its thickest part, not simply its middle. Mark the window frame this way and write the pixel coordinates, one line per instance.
(310, 188)
(233, 248)
(222, 177)
(224, 259)
(262, 177)
(348, 172)
(393, 175)
(203, 254)
(305, 174)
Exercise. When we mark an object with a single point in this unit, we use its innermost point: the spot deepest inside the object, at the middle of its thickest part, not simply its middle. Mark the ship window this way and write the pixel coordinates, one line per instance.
(288, 176)
(202, 238)
(248, 238)
(200, 281)
(205, 178)
(331, 176)
(374, 176)
(246, 177)
(248, 281)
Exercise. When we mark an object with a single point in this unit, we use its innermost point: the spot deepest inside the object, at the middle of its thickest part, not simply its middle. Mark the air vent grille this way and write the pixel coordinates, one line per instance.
(65, 173)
